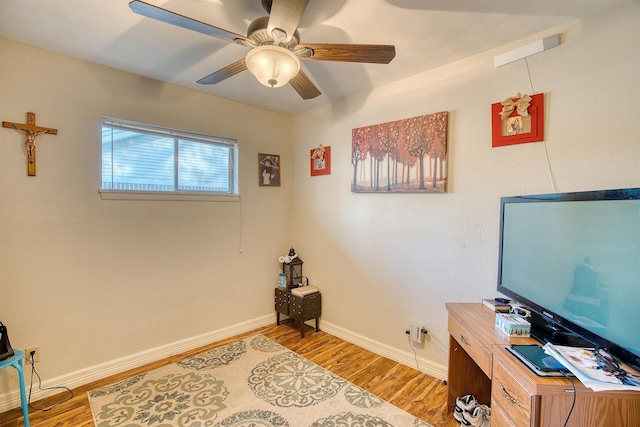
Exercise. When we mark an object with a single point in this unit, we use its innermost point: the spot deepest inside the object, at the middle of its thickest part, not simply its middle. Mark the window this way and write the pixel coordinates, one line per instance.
(150, 159)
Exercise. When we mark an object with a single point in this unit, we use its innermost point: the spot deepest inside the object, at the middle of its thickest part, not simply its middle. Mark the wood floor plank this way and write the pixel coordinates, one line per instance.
(420, 395)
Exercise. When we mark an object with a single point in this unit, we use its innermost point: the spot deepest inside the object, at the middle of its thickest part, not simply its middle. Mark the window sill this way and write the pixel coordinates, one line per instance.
(160, 196)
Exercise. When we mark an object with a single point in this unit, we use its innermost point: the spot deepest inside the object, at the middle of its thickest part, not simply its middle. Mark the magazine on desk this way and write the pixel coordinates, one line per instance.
(595, 368)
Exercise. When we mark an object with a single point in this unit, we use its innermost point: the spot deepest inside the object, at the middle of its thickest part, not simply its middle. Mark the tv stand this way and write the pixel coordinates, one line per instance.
(480, 365)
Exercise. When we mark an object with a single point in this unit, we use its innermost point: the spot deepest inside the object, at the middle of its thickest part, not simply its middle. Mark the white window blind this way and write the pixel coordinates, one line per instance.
(144, 158)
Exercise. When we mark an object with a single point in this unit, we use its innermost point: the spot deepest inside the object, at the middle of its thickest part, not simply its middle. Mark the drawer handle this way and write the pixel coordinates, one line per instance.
(507, 396)
(464, 340)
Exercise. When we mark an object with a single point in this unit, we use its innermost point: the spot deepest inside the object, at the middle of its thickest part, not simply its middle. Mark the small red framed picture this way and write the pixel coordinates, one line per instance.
(320, 161)
(517, 120)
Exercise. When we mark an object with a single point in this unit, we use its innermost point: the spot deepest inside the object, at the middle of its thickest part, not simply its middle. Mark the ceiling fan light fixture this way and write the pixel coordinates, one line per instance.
(273, 66)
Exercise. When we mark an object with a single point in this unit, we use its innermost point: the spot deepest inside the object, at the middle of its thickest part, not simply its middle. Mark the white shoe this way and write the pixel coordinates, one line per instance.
(464, 404)
(479, 417)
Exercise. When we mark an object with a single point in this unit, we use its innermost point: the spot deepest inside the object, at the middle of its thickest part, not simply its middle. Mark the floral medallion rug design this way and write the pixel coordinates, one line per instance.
(254, 382)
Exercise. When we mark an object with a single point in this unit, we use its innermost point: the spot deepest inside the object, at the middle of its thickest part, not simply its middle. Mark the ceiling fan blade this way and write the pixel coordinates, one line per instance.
(163, 15)
(304, 86)
(285, 15)
(370, 53)
(224, 73)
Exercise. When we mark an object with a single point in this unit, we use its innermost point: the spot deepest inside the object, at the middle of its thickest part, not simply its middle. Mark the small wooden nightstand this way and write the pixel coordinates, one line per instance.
(297, 307)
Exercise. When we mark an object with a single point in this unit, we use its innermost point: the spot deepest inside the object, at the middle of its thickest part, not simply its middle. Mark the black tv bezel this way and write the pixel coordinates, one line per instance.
(547, 326)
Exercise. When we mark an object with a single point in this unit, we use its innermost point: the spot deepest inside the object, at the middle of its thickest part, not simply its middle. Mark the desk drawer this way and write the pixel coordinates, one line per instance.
(282, 301)
(510, 396)
(306, 307)
(480, 354)
(498, 417)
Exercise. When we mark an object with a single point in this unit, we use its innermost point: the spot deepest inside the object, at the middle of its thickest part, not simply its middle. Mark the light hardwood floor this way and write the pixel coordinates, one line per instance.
(421, 395)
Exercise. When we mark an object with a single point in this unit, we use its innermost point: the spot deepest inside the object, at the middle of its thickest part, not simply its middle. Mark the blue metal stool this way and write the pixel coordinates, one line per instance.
(16, 362)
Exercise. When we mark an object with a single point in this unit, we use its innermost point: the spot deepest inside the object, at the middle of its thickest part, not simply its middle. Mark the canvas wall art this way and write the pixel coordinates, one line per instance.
(408, 155)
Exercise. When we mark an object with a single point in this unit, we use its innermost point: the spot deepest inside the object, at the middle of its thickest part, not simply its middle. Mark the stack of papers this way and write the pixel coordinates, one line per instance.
(583, 364)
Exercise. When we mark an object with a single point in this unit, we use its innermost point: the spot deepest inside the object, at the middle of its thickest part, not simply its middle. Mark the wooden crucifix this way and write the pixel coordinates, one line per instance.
(31, 131)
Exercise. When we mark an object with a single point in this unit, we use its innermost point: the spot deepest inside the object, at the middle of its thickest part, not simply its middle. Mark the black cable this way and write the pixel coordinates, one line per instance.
(33, 371)
(573, 385)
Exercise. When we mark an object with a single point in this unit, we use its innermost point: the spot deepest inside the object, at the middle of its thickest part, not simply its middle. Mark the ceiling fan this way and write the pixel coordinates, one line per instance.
(275, 45)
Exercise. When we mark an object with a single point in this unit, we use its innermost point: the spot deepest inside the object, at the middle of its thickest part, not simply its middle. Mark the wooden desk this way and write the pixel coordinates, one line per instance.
(480, 365)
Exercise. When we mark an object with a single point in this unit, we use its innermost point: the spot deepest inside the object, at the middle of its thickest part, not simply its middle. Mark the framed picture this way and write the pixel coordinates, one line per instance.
(403, 156)
(509, 126)
(320, 161)
(268, 170)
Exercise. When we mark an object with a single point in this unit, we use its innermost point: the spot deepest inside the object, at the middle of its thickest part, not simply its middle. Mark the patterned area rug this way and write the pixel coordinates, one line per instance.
(254, 382)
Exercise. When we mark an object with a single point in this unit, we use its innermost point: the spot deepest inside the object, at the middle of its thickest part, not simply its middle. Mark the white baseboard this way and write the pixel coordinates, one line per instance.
(406, 358)
(93, 373)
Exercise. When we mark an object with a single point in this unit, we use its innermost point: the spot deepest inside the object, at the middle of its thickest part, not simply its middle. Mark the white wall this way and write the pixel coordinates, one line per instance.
(384, 261)
(91, 281)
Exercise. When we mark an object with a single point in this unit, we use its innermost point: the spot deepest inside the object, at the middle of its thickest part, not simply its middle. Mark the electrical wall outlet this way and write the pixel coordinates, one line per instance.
(415, 333)
(36, 354)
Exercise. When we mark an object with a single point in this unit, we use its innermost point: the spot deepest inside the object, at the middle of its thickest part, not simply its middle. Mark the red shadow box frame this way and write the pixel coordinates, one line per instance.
(317, 166)
(536, 117)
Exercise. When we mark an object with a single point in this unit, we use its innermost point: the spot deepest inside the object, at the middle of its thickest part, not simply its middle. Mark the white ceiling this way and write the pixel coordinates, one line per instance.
(426, 33)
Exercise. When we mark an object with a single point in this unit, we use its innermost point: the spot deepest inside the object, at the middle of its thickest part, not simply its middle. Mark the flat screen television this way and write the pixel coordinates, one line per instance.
(573, 259)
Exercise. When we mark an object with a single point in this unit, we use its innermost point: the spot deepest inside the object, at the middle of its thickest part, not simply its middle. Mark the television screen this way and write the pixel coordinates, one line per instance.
(574, 258)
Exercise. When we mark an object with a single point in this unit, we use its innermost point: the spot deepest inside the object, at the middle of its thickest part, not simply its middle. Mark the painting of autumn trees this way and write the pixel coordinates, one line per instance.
(408, 155)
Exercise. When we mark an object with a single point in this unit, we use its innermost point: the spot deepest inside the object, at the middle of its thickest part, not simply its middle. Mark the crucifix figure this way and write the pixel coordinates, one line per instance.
(31, 131)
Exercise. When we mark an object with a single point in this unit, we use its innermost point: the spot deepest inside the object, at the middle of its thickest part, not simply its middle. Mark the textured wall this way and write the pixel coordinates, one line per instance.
(91, 280)
(384, 261)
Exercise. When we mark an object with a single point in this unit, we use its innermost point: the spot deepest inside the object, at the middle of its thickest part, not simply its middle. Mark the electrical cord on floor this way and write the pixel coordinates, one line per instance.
(573, 404)
(33, 371)
(415, 355)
